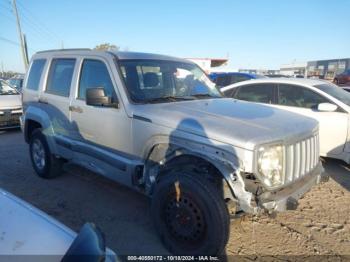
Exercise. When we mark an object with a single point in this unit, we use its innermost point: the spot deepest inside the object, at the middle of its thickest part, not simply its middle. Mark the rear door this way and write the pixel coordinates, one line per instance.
(55, 97)
(333, 125)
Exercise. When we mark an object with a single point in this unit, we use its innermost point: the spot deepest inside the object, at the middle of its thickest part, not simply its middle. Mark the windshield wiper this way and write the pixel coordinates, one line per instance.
(168, 99)
(205, 96)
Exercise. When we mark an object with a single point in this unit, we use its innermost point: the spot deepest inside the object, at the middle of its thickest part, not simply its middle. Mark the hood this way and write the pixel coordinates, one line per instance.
(238, 123)
(10, 101)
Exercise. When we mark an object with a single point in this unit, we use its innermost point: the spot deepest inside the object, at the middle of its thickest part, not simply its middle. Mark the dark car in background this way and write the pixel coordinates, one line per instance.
(343, 78)
(228, 78)
(276, 76)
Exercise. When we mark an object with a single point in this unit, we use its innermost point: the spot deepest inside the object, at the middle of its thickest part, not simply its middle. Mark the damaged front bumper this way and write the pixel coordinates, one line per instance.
(287, 198)
(279, 200)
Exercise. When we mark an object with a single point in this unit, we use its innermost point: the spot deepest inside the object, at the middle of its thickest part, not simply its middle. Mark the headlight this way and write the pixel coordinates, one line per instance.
(270, 165)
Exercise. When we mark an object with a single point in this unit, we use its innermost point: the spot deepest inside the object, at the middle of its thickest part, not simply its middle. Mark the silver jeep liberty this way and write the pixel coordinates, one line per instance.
(157, 124)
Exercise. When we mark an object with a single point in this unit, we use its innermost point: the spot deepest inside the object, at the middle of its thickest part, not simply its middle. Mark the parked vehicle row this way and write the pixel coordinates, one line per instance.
(317, 99)
(343, 78)
(158, 125)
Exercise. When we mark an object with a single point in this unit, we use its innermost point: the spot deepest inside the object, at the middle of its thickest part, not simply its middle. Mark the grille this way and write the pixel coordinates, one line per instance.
(9, 118)
(301, 158)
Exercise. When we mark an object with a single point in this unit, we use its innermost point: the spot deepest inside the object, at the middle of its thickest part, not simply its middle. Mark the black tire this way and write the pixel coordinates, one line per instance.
(198, 223)
(52, 166)
(336, 81)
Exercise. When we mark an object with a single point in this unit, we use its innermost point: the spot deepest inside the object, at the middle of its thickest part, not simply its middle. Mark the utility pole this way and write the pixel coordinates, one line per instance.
(21, 40)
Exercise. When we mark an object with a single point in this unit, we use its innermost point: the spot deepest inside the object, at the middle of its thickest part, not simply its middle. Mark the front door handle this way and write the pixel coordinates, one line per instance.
(76, 109)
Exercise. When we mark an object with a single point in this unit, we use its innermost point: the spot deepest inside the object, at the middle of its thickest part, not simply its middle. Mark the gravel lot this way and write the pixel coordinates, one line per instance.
(320, 225)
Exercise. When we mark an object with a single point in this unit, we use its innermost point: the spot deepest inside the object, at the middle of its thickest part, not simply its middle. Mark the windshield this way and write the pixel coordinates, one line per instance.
(6, 89)
(336, 92)
(156, 81)
(17, 83)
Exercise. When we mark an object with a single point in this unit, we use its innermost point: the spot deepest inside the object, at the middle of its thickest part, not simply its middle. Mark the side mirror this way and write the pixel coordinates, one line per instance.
(327, 107)
(97, 97)
(89, 245)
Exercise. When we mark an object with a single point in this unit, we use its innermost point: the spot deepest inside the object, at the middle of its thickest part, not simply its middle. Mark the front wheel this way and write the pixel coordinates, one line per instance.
(190, 215)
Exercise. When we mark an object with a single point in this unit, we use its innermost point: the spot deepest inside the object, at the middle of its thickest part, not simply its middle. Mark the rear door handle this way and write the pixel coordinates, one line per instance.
(43, 100)
(76, 109)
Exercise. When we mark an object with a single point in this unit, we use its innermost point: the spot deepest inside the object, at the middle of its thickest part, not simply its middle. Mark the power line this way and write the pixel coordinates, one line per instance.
(9, 41)
(13, 43)
(29, 25)
(34, 20)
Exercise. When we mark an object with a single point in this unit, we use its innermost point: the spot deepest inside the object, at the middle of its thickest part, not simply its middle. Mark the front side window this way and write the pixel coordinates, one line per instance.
(94, 74)
(159, 81)
(60, 76)
(297, 96)
(35, 74)
(261, 93)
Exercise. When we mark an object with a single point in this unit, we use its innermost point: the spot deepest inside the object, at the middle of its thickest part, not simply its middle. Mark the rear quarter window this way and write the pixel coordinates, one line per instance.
(35, 74)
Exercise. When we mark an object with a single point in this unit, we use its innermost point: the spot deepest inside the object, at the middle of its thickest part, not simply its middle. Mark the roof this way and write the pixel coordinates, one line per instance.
(119, 54)
(300, 81)
(148, 56)
(231, 73)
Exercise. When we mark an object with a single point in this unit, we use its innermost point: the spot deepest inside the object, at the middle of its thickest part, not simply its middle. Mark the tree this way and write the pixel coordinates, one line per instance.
(107, 47)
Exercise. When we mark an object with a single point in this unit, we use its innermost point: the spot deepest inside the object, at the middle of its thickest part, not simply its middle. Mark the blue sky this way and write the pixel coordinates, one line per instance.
(254, 34)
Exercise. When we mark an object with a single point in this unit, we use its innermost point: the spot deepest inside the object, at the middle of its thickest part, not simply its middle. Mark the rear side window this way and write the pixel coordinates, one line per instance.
(60, 77)
(35, 74)
(262, 93)
(94, 73)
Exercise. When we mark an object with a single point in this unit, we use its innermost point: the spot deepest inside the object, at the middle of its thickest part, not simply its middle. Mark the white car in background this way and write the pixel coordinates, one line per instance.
(318, 99)
(10, 106)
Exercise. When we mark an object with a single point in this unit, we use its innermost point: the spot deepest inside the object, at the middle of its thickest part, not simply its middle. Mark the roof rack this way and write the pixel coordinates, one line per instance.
(68, 49)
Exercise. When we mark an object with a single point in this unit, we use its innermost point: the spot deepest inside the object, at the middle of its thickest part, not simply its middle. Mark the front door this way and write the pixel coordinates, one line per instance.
(105, 127)
(333, 126)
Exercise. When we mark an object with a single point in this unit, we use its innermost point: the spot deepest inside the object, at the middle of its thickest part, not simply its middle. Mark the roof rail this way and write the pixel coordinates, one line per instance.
(68, 49)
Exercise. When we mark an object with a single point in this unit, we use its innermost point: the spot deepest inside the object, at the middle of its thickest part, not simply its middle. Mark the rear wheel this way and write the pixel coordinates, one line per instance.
(190, 215)
(44, 163)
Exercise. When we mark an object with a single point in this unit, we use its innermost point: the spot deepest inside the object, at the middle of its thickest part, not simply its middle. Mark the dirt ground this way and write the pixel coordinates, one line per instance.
(320, 225)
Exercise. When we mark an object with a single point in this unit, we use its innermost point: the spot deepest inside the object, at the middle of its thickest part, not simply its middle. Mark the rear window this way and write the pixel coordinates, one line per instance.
(336, 92)
(60, 77)
(35, 74)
